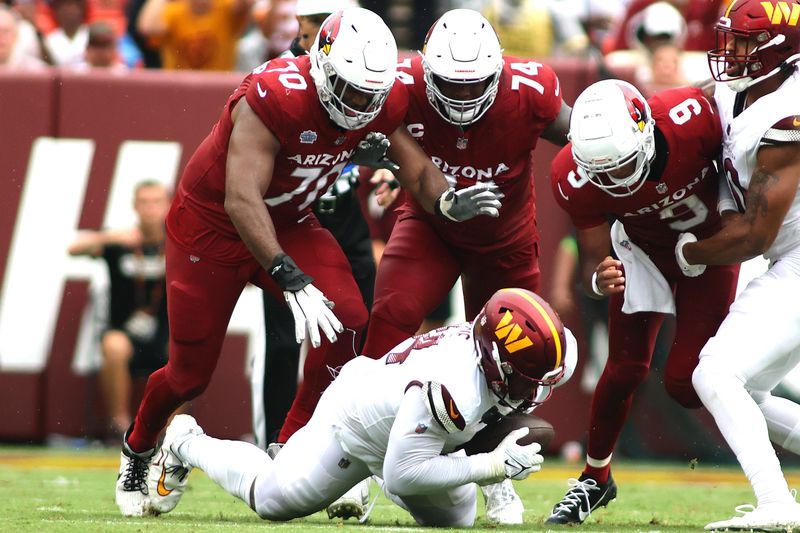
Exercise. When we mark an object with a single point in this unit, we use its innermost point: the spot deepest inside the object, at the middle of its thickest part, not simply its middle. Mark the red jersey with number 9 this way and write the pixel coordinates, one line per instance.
(681, 197)
(495, 148)
(312, 155)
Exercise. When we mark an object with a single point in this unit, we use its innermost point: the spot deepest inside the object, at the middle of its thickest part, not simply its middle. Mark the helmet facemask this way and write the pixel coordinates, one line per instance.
(601, 174)
(336, 93)
(456, 111)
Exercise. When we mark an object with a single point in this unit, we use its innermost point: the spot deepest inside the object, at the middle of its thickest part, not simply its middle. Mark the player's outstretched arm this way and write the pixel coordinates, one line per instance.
(251, 160)
(419, 176)
(773, 187)
(414, 465)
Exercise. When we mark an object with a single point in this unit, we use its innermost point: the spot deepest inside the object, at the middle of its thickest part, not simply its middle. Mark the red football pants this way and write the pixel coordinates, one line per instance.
(701, 304)
(201, 296)
(417, 271)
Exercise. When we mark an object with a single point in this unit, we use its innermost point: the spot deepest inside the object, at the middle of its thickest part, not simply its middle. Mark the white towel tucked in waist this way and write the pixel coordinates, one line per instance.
(645, 286)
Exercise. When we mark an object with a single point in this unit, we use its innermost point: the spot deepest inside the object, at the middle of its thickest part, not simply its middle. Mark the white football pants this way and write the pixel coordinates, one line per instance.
(757, 344)
(310, 472)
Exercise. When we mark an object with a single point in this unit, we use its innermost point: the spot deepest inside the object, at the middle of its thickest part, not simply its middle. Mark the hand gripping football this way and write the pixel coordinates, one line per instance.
(487, 439)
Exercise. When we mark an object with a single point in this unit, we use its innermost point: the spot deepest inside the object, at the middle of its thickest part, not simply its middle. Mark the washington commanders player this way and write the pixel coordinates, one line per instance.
(242, 213)
(649, 166)
(401, 417)
(755, 66)
(463, 95)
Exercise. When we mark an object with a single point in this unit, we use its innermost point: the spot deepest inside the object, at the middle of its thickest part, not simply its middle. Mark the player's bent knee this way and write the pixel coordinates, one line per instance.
(708, 375)
(626, 376)
(401, 312)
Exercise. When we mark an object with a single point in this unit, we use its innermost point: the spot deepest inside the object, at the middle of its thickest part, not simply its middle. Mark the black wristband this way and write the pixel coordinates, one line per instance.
(287, 274)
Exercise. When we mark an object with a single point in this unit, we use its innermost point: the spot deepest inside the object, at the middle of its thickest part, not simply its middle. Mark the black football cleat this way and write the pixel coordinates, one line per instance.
(583, 497)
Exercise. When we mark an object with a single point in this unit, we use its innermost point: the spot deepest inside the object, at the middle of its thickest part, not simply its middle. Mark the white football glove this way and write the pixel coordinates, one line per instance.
(515, 461)
(310, 309)
(480, 199)
(690, 271)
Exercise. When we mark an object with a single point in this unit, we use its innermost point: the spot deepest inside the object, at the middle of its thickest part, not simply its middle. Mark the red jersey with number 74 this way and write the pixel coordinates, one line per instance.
(495, 148)
(681, 190)
(312, 155)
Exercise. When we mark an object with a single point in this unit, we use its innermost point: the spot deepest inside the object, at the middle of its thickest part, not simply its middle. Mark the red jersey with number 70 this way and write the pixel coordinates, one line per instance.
(679, 196)
(495, 148)
(313, 153)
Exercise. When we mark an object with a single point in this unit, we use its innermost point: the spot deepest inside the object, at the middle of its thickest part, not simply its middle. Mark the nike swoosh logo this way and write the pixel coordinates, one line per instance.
(583, 515)
(261, 92)
(453, 413)
(795, 122)
(161, 489)
(561, 192)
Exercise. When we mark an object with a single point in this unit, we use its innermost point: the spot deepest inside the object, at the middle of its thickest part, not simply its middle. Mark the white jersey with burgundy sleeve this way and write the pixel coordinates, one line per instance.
(366, 396)
(773, 118)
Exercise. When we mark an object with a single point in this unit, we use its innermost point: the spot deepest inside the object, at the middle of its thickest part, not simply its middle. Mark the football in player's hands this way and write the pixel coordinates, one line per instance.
(491, 436)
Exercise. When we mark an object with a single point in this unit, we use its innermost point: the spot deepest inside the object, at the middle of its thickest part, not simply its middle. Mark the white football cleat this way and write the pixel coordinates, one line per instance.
(132, 494)
(503, 506)
(768, 517)
(169, 474)
(352, 504)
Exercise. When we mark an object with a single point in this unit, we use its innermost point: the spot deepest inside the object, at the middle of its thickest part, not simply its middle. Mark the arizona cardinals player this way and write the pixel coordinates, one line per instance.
(242, 213)
(462, 94)
(649, 166)
(400, 417)
(755, 66)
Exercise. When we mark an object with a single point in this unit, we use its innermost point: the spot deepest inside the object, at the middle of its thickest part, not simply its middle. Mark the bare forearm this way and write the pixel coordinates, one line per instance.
(254, 224)
(426, 187)
(733, 244)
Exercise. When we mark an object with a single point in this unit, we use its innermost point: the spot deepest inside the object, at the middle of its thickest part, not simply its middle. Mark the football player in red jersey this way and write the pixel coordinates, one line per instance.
(242, 213)
(462, 94)
(649, 166)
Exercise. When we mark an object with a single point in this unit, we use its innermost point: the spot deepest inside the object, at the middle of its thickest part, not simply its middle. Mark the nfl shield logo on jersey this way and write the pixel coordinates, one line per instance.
(308, 137)
(661, 188)
(461, 143)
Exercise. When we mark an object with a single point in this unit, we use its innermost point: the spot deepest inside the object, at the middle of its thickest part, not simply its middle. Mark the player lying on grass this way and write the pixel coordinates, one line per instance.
(401, 418)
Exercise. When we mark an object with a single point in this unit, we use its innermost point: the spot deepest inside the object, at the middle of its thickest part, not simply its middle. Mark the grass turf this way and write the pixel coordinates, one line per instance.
(62, 490)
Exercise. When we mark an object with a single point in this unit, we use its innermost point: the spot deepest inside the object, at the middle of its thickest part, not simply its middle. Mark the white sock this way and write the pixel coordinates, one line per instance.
(233, 465)
(783, 420)
(744, 428)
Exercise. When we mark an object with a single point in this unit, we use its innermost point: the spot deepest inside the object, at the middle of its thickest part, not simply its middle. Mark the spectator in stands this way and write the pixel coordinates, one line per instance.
(66, 44)
(195, 34)
(10, 55)
(101, 49)
(151, 58)
(700, 16)
(665, 70)
(273, 29)
(657, 25)
(135, 343)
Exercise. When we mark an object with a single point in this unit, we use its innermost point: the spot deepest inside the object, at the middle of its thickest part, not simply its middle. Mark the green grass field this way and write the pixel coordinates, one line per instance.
(73, 490)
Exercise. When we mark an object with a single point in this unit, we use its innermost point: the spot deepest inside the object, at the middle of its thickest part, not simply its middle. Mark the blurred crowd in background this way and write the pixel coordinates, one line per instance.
(664, 42)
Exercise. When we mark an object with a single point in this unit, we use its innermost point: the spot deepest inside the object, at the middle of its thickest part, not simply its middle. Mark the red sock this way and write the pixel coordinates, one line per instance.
(599, 474)
(157, 405)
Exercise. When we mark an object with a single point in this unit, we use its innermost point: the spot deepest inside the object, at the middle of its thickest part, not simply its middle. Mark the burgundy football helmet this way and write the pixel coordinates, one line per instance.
(521, 345)
(772, 37)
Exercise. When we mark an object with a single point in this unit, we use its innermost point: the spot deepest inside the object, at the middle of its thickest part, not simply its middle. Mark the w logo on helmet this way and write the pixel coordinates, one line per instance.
(329, 31)
(780, 11)
(508, 330)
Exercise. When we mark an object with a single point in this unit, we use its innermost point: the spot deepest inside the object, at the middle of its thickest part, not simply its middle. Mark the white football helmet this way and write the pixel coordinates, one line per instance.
(353, 64)
(611, 129)
(461, 47)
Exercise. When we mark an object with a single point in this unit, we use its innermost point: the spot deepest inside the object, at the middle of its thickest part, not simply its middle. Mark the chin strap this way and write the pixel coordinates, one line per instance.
(747, 83)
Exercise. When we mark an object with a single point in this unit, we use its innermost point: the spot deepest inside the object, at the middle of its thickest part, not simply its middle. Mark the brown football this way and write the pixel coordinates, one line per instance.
(488, 438)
